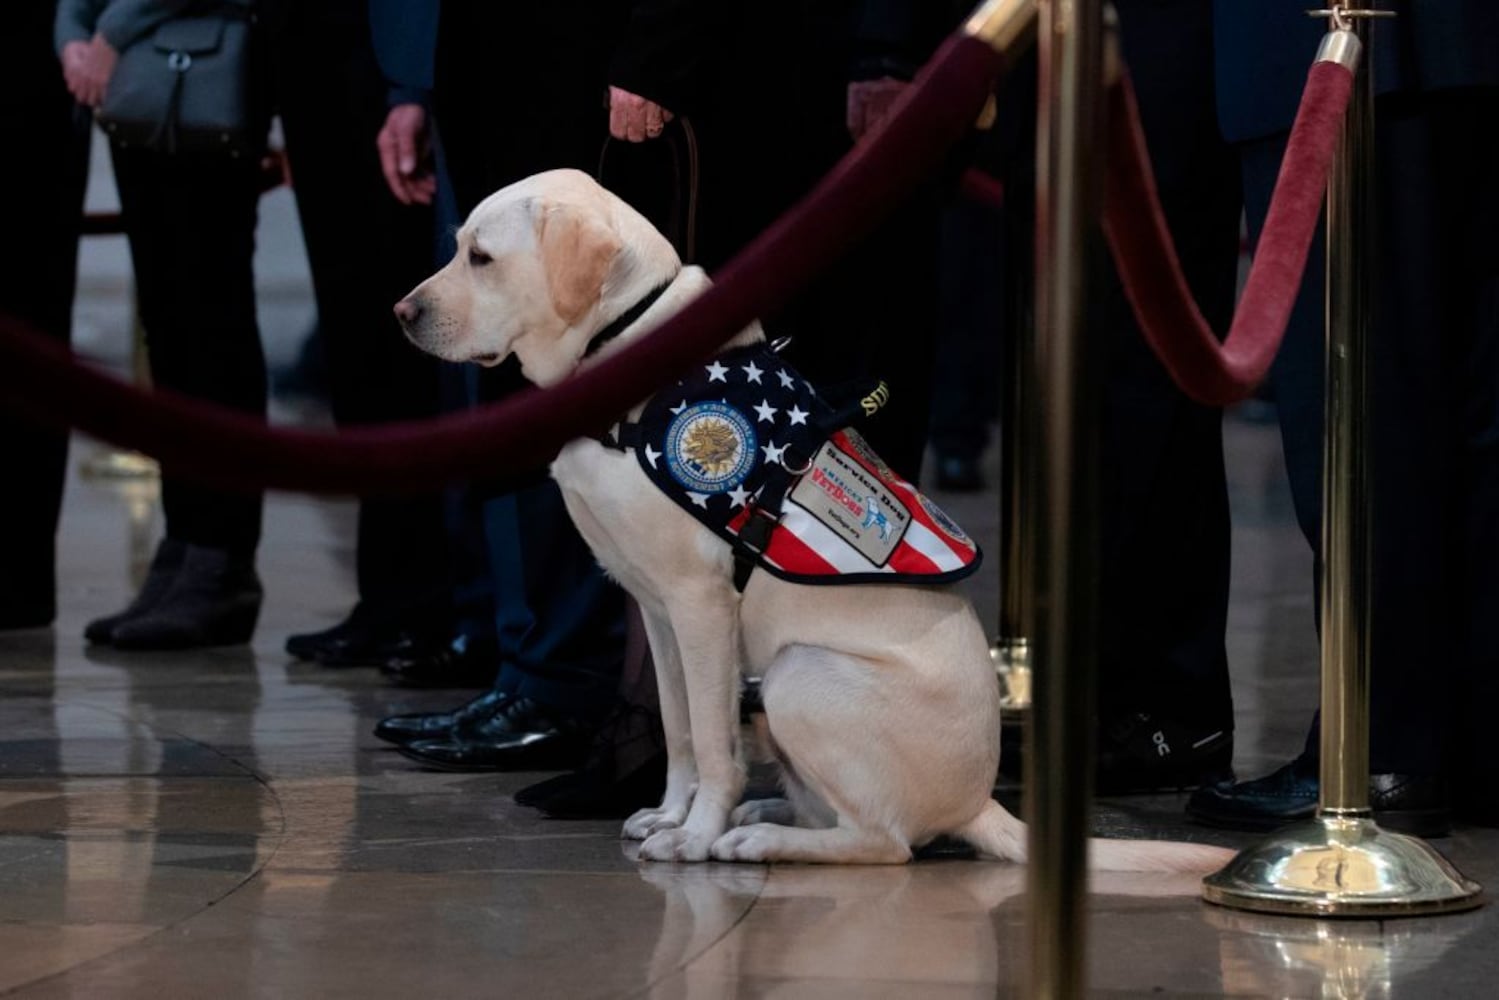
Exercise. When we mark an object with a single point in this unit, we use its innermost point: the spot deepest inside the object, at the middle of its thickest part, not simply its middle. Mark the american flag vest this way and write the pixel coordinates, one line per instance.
(749, 448)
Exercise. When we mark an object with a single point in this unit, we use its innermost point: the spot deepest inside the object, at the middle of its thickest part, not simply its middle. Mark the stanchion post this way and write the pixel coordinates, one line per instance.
(1342, 864)
(1011, 651)
(1064, 493)
(1008, 25)
(112, 463)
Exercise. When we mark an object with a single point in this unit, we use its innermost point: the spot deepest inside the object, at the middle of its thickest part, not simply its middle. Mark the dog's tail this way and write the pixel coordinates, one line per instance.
(994, 831)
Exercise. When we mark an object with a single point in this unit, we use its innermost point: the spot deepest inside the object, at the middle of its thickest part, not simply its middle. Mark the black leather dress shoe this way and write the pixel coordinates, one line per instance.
(601, 792)
(1413, 804)
(463, 662)
(520, 735)
(626, 771)
(307, 645)
(1139, 752)
(365, 639)
(414, 727)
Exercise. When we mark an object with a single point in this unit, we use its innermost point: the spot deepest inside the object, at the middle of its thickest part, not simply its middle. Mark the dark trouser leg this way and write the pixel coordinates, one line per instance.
(1450, 426)
(366, 251)
(569, 658)
(559, 621)
(874, 317)
(36, 286)
(1432, 372)
(1165, 526)
(971, 306)
(191, 222)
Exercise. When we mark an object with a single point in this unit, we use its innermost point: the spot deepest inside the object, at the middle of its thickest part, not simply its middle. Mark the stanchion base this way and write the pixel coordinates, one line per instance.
(1341, 867)
(119, 465)
(1012, 661)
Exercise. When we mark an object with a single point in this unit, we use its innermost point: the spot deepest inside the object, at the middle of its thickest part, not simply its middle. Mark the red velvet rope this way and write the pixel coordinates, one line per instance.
(219, 446)
(1212, 373)
(982, 188)
(225, 448)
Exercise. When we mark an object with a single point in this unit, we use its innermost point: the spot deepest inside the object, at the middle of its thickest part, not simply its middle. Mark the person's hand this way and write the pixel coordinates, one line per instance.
(406, 155)
(869, 102)
(87, 67)
(634, 118)
(98, 66)
(74, 59)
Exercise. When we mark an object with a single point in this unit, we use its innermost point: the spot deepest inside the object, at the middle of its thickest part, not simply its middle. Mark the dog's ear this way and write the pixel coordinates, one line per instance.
(577, 251)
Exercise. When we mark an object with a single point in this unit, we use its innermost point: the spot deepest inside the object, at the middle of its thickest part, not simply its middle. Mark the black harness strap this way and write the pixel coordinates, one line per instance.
(765, 506)
(623, 320)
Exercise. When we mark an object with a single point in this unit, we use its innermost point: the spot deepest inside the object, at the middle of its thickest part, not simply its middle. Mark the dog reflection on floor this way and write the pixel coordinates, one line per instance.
(956, 923)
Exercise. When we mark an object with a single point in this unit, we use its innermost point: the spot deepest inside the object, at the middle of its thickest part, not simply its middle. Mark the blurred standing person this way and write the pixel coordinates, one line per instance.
(44, 186)
(809, 80)
(1165, 706)
(1434, 397)
(190, 219)
(365, 251)
(1165, 714)
(588, 71)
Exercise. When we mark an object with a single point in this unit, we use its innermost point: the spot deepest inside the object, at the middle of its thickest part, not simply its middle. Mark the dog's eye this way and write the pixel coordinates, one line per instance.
(478, 258)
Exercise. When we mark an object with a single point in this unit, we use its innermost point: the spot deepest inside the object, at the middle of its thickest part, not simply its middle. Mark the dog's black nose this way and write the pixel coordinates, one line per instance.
(408, 311)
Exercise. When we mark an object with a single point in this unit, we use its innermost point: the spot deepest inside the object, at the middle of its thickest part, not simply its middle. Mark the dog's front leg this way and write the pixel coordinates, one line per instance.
(681, 765)
(706, 626)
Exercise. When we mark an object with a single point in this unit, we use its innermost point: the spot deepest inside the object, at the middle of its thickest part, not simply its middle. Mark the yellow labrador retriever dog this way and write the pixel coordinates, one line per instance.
(880, 700)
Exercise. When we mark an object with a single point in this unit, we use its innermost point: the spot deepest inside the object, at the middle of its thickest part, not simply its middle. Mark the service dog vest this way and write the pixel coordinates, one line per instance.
(748, 447)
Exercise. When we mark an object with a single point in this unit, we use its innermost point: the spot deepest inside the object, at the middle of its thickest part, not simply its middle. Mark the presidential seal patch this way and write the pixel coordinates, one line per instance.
(710, 447)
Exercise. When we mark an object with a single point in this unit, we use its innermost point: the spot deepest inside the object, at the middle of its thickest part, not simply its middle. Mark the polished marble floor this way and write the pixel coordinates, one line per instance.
(222, 824)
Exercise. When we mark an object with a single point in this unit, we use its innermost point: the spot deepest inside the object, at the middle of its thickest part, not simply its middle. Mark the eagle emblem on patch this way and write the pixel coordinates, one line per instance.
(710, 447)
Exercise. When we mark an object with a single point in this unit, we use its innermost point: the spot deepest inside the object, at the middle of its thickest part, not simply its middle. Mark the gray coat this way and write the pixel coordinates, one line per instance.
(121, 22)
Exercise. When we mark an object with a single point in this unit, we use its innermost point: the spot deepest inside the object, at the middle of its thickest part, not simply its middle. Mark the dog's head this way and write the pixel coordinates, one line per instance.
(542, 265)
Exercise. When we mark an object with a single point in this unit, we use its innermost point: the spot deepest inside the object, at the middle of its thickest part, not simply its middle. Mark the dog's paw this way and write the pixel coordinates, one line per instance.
(754, 843)
(651, 821)
(676, 845)
(764, 811)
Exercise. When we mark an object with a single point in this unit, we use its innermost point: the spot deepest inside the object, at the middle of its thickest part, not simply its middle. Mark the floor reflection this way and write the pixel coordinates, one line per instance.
(1347, 959)
(948, 925)
(222, 823)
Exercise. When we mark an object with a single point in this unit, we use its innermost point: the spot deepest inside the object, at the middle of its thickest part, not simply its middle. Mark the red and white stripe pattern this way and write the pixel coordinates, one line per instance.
(803, 546)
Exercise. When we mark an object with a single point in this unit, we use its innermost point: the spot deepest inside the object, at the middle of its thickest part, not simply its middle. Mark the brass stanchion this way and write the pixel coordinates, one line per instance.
(112, 463)
(1341, 863)
(1006, 25)
(1011, 651)
(1064, 492)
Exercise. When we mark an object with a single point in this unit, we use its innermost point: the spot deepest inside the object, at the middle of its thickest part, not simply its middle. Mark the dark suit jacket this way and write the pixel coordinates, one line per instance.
(404, 34)
(1265, 47)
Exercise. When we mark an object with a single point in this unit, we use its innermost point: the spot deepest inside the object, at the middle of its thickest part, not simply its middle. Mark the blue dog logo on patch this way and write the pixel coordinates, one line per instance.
(874, 516)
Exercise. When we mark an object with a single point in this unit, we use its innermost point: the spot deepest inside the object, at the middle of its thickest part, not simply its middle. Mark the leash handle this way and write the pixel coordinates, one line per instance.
(681, 137)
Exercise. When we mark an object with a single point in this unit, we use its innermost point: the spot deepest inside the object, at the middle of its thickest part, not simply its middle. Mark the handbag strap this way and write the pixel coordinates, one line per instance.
(165, 138)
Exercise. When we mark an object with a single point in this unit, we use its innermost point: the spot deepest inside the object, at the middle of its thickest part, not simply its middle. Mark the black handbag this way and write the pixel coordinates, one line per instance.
(185, 87)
